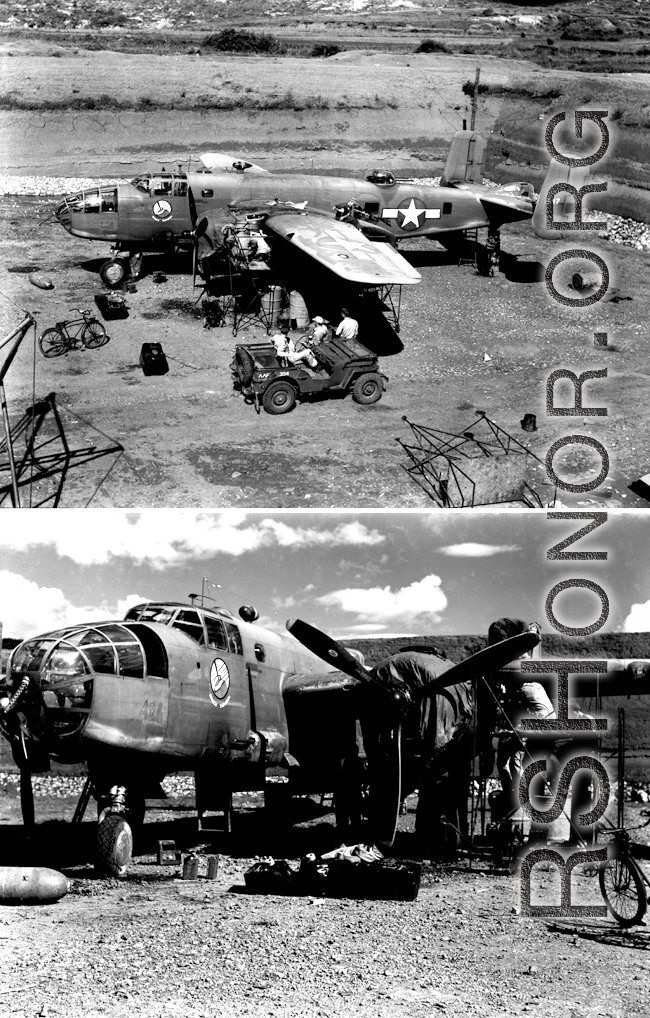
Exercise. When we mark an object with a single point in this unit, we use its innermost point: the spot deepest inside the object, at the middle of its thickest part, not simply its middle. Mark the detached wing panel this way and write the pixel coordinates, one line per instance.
(221, 162)
(343, 249)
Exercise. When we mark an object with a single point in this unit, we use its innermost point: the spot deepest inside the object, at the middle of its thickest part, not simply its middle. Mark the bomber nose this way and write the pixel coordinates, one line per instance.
(66, 206)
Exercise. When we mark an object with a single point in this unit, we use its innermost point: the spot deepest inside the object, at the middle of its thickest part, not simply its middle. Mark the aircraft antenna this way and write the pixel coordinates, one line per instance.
(475, 99)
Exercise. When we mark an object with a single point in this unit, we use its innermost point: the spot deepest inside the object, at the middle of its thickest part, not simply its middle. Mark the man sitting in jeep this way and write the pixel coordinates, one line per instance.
(286, 350)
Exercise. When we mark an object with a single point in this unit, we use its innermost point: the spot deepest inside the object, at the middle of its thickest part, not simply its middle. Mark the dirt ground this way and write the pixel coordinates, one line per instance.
(190, 440)
(466, 343)
(156, 945)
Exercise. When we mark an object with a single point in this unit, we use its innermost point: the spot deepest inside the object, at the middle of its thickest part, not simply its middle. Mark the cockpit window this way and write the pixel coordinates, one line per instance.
(180, 188)
(217, 639)
(142, 184)
(91, 201)
(190, 622)
(151, 614)
(109, 199)
(162, 185)
(234, 639)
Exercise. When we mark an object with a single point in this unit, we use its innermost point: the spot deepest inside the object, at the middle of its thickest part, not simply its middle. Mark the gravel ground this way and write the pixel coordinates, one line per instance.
(156, 946)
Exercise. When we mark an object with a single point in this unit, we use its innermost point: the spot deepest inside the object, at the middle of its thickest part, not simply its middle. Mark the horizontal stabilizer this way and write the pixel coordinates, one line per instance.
(564, 204)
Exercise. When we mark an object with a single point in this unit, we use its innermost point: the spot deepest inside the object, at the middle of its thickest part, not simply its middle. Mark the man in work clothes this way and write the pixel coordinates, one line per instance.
(348, 328)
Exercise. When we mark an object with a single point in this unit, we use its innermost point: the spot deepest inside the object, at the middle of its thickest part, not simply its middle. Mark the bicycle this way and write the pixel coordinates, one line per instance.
(621, 878)
(90, 334)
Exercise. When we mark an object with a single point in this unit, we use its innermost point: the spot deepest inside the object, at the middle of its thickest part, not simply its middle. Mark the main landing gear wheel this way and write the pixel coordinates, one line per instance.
(623, 889)
(367, 388)
(279, 398)
(112, 273)
(114, 846)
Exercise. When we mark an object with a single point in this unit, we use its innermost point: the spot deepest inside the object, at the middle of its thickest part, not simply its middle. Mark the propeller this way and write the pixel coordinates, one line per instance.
(490, 659)
(385, 735)
(327, 649)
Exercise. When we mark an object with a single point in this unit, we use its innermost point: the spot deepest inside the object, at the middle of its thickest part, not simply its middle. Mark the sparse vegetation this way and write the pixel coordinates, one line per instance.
(232, 40)
(432, 46)
(325, 51)
(468, 88)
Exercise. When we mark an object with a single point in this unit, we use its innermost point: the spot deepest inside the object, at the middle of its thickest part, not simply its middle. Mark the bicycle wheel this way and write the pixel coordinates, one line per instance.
(623, 889)
(94, 334)
(53, 343)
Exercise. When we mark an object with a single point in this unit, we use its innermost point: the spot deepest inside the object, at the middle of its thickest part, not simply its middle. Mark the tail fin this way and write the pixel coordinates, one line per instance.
(465, 159)
(564, 204)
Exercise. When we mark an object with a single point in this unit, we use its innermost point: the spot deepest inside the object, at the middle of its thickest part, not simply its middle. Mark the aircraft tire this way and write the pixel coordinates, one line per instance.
(367, 388)
(114, 846)
(244, 366)
(112, 273)
(279, 397)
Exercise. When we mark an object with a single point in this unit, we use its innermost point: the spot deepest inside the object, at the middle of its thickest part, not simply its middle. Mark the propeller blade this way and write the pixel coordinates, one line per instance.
(490, 659)
(27, 797)
(386, 785)
(192, 204)
(327, 649)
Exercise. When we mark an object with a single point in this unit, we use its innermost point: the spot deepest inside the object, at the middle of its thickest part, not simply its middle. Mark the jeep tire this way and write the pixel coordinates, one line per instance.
(279, 397)
(367, 388)
(244, 366)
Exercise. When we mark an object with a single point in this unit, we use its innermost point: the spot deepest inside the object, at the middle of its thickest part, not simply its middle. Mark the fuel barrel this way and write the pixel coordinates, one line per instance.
(31, 884)
(271, 304)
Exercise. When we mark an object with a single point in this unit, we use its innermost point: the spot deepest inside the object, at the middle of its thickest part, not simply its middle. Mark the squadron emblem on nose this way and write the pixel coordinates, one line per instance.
(219, 682)
(162, 210)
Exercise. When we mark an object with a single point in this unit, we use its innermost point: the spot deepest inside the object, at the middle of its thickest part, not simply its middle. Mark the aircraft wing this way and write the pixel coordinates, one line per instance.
(342, 249)
(321, 682)
(221, 162)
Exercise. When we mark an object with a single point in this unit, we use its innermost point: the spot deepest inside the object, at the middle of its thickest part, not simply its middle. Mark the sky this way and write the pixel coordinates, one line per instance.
(351, 574)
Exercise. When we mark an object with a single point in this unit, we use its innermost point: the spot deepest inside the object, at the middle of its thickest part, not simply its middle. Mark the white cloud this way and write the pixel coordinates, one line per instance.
(27, 609)
(638, 621)
(163, 537)
(470, 549)
(420, 603)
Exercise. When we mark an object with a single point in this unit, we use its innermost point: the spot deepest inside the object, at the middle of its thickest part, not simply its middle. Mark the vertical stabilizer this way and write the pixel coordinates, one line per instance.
(465, 159)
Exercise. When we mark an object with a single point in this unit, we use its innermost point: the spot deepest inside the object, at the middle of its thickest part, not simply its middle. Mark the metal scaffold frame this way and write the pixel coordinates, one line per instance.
(435, 468)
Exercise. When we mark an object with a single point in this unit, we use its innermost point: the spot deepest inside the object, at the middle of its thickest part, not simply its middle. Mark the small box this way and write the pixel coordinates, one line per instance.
(166, 853)
(153, 360)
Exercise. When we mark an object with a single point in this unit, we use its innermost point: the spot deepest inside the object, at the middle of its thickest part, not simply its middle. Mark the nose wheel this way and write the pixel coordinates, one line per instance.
(112, 273)
(114, 847)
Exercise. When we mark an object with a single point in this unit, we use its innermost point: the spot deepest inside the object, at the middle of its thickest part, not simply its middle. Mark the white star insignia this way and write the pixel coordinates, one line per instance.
(412, 214)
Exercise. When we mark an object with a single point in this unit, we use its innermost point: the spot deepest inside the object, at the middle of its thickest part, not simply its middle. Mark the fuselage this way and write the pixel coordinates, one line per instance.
(173, 680)
(159, 210)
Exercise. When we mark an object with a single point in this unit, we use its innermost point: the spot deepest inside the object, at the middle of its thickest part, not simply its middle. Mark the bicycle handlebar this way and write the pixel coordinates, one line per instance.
(82, 313)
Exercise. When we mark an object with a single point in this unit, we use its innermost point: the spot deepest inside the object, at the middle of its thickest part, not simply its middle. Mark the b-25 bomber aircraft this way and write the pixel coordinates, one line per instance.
(184, 687)
(177, 686)
(158, 211)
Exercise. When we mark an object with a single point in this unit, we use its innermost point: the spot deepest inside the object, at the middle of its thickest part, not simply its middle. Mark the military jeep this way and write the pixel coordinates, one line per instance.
(269, 381)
